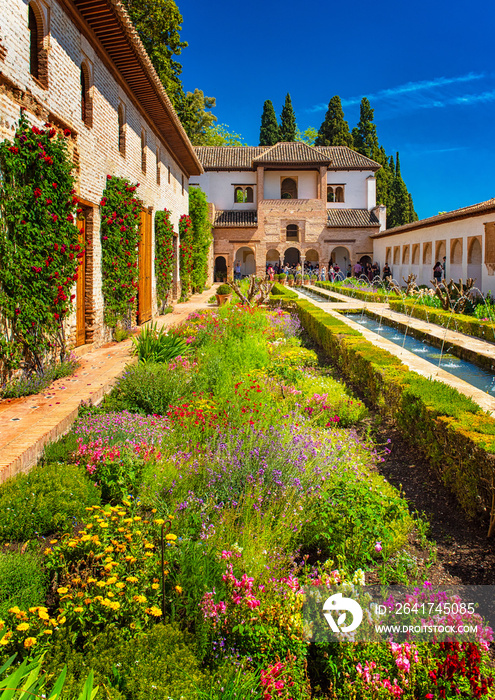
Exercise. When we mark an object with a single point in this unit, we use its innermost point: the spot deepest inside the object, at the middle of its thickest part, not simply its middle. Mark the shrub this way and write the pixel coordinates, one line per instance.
(23, 581)
(47, 500)
(36, 383)
(148, 388)
(156, 345)
(224, 289)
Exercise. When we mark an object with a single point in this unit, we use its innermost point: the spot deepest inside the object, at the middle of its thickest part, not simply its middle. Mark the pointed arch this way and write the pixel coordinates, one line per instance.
(86, 98)
(38, 55)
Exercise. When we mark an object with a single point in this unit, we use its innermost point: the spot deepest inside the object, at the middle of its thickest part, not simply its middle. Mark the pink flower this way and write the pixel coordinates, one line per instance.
(378, 547)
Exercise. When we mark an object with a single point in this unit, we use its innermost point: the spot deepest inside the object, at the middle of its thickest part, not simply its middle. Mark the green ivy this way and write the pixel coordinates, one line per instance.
(39, 249)
(185, 255)
(164, 256)
(120, 229)
(202, 238)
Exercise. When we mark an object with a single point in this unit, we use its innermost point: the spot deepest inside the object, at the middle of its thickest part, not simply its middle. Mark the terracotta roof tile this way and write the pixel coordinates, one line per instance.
(292, 152)
(249, 157)
(228, 157)
(351, 218)
(462, 213)
(343, 158)
(236, 218)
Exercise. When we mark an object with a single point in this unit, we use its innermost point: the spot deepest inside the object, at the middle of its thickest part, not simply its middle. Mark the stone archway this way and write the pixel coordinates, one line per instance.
(292, 256)
(342, 257)
(272, 256)
(474, 267)
(247, 260)
(220, 269)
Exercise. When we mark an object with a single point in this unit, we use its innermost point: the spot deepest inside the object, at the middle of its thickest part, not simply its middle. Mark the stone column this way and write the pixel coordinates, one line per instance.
(322, 184)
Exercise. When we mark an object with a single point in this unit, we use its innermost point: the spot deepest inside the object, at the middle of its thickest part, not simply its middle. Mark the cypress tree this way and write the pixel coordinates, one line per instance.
(384, 178)
(288, 126)
(412, 213)
(334, 130)
(365, 138)
(269, 131)
(399, 210)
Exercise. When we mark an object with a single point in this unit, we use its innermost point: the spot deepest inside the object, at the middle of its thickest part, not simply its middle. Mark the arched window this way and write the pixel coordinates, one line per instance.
(143, 151)
(288, 189)
(249, 195)
(158, 174)
(35, 37)
(292, 232)
(330, 194)
(239, 195)
(121, 115)
(339, 194)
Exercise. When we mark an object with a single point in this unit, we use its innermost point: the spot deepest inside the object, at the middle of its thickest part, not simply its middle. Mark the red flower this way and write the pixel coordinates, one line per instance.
(14, 149)
(66, 132)
(109, 177)
(52, 132)
(36, 131)
(56, 316)
(37, 192)
(54, 217)
(75, 277)
(48, 160)
(70, 218)
(48, 201)
(54, 185)
(17, 312)
(79, 210)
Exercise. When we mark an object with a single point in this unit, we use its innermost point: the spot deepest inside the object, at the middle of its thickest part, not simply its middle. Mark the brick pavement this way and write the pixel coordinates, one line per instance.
(29, 423)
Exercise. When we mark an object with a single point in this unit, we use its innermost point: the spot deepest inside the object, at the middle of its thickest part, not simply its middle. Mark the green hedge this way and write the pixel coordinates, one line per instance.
(355, 293)
(455, 322)
(453, 432)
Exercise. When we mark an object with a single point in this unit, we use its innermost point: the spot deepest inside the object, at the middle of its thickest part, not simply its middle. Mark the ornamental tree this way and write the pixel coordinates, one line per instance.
(185, 254)
(202, 238)
(120, 219)
(334, 130)
(288, 127)
(164, 256)
(39, 248)
(269, 131)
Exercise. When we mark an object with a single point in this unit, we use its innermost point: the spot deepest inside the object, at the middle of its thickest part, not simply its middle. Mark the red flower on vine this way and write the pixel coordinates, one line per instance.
(54, 185)
(67, 132)
(14, 149)
(37, 192)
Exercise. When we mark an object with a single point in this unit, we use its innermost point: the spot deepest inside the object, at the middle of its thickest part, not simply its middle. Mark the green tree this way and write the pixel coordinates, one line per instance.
(269, 131)
(218, 135)
(398, 214)
(334, 130)
(364, 135)
(309, 136)
(288, 125)
(201, 238)
(384, 178)
(195, 117)
(412, 213)
(158, 24)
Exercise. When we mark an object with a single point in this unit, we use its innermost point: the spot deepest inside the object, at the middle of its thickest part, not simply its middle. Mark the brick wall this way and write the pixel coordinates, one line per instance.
(96, 148)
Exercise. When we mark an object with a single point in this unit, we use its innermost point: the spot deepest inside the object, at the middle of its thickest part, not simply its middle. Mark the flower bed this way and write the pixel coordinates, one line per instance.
(255, 477)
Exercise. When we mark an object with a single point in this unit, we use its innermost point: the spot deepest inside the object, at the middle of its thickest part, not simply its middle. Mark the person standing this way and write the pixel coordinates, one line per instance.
(357, 269)
(387, 272)
(237, 270)
(438, 272)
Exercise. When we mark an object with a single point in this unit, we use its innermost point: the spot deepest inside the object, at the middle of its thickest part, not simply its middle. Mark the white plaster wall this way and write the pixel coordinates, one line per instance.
(464, 228)
(356, 189)
(219, 188)
(306, 183)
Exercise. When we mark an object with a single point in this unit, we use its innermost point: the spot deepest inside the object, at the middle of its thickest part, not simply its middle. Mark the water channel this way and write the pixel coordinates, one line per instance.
(476, 376)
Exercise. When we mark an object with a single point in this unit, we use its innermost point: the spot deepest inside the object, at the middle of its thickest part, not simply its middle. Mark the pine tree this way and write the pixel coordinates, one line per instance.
(364, 135)
(288, 125)
(334, 130)
(399, 210)
(269, 132)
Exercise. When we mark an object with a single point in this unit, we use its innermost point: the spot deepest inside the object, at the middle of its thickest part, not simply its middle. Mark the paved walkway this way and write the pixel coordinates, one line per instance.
(412, 361)
(29, 423)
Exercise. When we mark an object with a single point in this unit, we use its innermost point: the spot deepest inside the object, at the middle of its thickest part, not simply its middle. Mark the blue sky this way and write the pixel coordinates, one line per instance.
(427, 67)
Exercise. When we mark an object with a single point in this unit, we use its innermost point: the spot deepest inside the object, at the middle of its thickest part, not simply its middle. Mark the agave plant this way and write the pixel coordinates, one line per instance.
(27, 682)
(155, 345)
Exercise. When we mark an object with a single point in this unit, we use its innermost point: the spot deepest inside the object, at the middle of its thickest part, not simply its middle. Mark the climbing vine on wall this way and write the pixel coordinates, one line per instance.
(185, 254)
(39, 249)
(120, 220)
(164, 256)
(202, 238)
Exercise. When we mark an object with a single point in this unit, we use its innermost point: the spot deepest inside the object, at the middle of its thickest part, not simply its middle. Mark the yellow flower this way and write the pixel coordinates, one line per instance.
(153, 510)
(6, 638)
(159, 521)
(22, 627)
(111, 580)
(62, 590)
(120, 529)
(140, 598)
(101, 584)
(171, 537)
(154, 610)
(120, 584)
(2, 625)
(148, 545)
(85, 538)
(132, 579)
(109, 549)
(155, 586)
(87, 601)
(114, 605)
(43, 615)
(89, 527)
(48, 550)
(126, 503)
(110, 594)
(137, 519)
(29, 642)
(15, 610)
(178, 589)
(147, 554)
(53, 541)
(61, 620)
(91, 579)
(103, 524)
(72, 544)
(47, 631)
(78, 609)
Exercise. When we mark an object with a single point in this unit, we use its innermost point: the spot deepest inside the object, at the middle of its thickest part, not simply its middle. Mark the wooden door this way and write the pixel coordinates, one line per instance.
(81, 287)
(145, 260)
